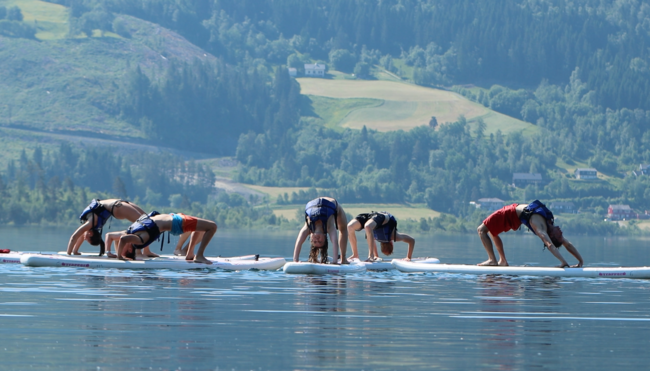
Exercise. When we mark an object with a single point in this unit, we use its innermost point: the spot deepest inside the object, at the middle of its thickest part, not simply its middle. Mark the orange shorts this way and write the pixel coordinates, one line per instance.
(189, 223)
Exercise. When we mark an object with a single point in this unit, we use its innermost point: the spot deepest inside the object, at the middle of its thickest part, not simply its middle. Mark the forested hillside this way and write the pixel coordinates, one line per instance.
(210, 77)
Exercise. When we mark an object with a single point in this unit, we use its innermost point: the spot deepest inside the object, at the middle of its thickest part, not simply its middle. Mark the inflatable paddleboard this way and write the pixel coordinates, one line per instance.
(167, 256)
(315, 268)
(94, 262)
(592, 272)
(11, 258)
(384, 265)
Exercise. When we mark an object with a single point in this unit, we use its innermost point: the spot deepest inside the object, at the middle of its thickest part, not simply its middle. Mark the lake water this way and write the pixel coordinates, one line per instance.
(78, 319)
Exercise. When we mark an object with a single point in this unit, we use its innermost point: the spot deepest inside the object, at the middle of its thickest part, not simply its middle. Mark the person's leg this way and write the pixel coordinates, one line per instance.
(502, 255)
(210, 228)
(372, 245)
(354, 226)
(194, 240)
(178, 251)
(487, 244)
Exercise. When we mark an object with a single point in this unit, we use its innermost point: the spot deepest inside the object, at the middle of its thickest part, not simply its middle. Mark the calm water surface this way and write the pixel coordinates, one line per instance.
(77, 319)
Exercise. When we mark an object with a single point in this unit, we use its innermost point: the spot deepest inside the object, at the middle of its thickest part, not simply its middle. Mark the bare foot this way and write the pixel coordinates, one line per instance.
(110, 255)
(487, 263)
(503, 264)
(151, 255)
(201, 259)
(370, 260)
(178, 253)
(76, 253)
(190, 257)
(345, 261)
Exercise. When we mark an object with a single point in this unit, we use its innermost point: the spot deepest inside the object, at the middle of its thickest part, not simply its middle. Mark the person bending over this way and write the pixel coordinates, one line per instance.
(323, 216)
(537, 218)
(95, 216)
(149, 227)
(379, 226)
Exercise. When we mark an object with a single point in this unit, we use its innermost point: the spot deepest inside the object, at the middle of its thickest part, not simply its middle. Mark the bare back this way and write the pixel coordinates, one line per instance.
(123, 209)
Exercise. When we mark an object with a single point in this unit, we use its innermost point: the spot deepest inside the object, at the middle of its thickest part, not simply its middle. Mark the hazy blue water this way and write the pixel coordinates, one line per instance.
(76, 319)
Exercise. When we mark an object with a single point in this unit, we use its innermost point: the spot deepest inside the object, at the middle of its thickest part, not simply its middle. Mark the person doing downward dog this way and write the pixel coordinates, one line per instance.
(149, 227)
(537, 218)
(95, 216)
(379, 226)
(323, 216)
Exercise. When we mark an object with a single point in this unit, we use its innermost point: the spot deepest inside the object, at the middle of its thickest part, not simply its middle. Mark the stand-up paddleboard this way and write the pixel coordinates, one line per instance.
(592, 272)
(385, 265)
(316, 268)
(11, 257)
(166, 256)
(38, 260)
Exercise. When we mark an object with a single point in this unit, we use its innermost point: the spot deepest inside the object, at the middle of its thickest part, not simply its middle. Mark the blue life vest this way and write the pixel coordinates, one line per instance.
(320, 209)
(384, 232)
(101, 214)
(144, 223)
(536, 207)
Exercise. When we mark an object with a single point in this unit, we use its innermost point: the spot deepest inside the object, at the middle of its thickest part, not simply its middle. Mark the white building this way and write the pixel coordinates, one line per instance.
(315, 70)
(586, 173)
(293, 72)
(489, 204)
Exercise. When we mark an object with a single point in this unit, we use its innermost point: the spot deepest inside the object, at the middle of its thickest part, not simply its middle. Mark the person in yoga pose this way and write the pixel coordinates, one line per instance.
(379, 226)
(537, 218)
(95, 216)
(323, 216)
(149, 227)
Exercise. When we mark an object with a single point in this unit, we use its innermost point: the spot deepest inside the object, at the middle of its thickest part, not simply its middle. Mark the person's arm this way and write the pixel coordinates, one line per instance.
(573, 251)
(543, 235)
(372, 245)
(409, 240)
(124, 240)
(354, 226)
(109, 238)
(77, 238)
(331, 231)
(302, 236)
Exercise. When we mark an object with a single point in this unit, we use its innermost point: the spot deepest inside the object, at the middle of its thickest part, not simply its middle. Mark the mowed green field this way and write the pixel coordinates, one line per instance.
(50, 20)
(391, 105)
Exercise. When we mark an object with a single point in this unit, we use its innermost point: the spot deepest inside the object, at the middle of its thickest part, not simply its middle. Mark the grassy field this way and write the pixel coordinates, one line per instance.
(332, 111)
(274, 192)
(400, 211)
(402, 106)
(50, 20)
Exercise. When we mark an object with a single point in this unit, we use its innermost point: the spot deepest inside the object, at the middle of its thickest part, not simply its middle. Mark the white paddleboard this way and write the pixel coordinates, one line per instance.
(11, 258)
(593, 272)
(167, 256)
(385, 265)
(39, 260)
(316, 268)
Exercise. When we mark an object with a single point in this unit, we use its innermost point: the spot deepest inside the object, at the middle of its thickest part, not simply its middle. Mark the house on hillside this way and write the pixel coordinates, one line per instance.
(620, 212)
(563, 207)
(590, 173)
(489, 204)
(315, 70)
(521, 180)
(643, 170)
(293, 72)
